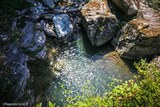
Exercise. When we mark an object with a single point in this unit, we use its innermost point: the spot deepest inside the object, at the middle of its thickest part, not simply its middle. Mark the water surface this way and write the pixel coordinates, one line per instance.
(84, 65)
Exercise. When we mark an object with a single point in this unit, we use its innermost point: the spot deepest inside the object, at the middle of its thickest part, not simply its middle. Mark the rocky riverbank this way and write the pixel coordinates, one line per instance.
(36, 32)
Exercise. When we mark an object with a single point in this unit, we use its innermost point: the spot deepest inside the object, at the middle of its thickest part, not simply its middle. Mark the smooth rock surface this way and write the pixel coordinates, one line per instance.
(63, 26)
(99, 23)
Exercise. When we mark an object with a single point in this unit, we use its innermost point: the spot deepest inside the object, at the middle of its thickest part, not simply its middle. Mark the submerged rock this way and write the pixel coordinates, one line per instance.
(59, 65)
(115, 58)
(33, 40)
(63, 26)
(98, 21)
(129, 7)
(141, 37)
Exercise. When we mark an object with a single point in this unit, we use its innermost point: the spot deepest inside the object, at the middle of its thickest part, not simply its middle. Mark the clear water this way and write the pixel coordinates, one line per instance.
(84, 65)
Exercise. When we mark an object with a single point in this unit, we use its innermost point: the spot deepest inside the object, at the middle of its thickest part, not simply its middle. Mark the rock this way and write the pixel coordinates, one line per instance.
(14, 24)
(149, 14)
(4, 38)
(143, 4)
(99, 23)
(156, 61)
(49, 29)
(37, 11)
(116, 59)
(33, 39)
(140, 37)
(16, 74)
(41, 54)
(129, 7)
(31, 1)
(49, 3)
(59, 65)
(48, 17)
(63, 26)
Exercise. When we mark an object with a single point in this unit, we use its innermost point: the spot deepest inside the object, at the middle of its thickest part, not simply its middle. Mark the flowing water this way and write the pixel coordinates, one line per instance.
(84, 65)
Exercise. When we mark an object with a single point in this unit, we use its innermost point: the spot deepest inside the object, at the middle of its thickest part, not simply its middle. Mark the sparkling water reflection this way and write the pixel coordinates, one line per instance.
(84, 65)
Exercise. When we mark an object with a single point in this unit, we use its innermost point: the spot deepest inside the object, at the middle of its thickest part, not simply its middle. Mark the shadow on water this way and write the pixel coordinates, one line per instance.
(130, 64)
(92, 50)
(41, 78)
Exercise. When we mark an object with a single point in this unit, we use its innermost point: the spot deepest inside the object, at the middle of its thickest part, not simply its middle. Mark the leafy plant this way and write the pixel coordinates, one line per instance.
(50, 104)
(144, 91)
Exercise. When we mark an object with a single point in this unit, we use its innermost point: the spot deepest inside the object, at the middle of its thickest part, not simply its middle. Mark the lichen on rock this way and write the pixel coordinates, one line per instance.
(140, 37)
(98, 21)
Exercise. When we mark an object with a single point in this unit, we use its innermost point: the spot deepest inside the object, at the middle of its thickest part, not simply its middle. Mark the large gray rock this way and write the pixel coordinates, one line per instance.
(33, 40)
(129, 7)
(63, 26)
(16, 73)
(140, 37)
(99, 23)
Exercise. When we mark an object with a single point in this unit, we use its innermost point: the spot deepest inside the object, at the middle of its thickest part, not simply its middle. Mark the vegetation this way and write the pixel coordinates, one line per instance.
(155, 3)
(144, 91)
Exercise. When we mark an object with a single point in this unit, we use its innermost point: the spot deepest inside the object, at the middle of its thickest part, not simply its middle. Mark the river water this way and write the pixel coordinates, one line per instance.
(84, 67)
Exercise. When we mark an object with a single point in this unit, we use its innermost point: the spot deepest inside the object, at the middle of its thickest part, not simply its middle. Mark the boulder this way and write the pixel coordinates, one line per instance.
(156, 61)
(63, 26)
(140, 37)
(33, 40)
(114, 57)
(15, 72)
(98, 21)
(129, 7)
